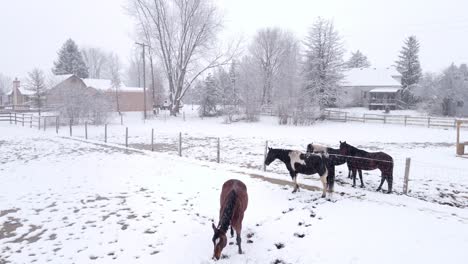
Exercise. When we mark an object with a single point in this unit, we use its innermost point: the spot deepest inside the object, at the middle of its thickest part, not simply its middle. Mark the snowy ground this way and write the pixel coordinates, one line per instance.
(68, 201)
(436, 174)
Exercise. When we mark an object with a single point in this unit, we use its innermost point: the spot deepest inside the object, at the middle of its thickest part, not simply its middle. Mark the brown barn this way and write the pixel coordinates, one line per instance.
(124, 99)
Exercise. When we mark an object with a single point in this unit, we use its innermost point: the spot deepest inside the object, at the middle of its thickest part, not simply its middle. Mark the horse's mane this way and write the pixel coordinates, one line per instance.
(226, 217)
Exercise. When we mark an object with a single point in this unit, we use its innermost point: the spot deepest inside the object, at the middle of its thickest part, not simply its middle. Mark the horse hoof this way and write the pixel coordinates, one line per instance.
(362, 186)
(323, 195)
(354, 186)
(240, 251)
(388, 192)
(294, 191)
(378, 190)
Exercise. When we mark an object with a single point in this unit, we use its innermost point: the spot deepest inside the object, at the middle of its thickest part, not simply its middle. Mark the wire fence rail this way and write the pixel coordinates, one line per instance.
(406, 120)
(187, 145)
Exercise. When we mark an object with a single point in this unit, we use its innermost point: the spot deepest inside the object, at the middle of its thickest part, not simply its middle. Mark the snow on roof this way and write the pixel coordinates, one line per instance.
(98, 84)
(371, 77)
(384, 90)
(60, 78)
(131, 89)
(23, 91)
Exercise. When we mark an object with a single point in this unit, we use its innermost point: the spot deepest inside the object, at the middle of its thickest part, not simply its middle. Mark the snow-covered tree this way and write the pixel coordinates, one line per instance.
(5, 84)
(70, 61)
(96, 61)
(210, 97)
(358, 60)
(36, 83)
(183, 34)
(323, 63)
(115, 73)
(409, 67)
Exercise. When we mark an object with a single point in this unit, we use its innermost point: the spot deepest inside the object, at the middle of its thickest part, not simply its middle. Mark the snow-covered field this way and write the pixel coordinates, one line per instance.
(68, 201)
(436, 174)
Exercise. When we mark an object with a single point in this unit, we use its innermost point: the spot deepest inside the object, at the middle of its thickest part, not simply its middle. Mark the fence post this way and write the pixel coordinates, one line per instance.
(152, 139)
(346, 117)
(406, 118)
(385, 119)
(363, 118)
(56, 124)
(23, 120)
(45, 124)
(30, 122)
(126, 137)
(39, 123)
(180, 144)
(15, 118)
(183, 113)
(86, 130)
(429, 122)
(121, 119)
(71, 131)
(10, 118)
(218, 152)
(265, 155)
(407, 168)
(105, 133)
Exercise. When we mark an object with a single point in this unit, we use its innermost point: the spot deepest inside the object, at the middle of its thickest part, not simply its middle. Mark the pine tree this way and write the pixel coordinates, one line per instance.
(408, 64)
(358, 60)
(409, 67)
(324, 63)
(210, 97)
(70, 61)
(36, 83)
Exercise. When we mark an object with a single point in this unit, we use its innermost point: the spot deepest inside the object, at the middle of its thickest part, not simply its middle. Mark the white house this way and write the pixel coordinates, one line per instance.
(371, 87)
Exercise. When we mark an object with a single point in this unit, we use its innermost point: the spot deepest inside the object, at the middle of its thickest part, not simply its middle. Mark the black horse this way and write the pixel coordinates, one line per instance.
(298, 162)
(363, 160)
(333, 156)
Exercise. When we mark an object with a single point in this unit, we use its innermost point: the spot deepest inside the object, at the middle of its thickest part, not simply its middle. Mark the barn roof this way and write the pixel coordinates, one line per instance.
(385, 77)
(23, 91)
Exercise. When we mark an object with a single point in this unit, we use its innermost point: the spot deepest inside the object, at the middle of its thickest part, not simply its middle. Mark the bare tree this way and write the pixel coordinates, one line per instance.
(268, 49)
(96, 60)
(5, 86)
(36, 83)
(134, 70)
(115, 73)
(183, 32)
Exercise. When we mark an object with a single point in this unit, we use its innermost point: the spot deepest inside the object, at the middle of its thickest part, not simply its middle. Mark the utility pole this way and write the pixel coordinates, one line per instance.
(143, 45)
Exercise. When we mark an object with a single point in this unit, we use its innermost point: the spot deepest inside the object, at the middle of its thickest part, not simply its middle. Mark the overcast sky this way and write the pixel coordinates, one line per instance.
(32, 31)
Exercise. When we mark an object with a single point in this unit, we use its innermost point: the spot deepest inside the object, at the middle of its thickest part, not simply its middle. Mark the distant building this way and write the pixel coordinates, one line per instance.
(19, 98)
(372, 88)
(127, 98)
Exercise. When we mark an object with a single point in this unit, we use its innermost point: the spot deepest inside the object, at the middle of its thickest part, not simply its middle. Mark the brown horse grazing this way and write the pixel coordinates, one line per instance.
(234, 200)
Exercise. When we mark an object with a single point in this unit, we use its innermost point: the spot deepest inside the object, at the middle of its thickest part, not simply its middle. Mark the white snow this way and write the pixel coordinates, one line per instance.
(381, 77)
(90, 202)
(384, 90)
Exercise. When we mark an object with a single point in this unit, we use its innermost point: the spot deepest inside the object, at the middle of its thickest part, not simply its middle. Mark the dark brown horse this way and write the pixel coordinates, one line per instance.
(359, 159)
(333, 156)
(234, 201)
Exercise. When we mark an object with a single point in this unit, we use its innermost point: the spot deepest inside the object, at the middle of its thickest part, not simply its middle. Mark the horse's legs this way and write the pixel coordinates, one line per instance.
(232, 232)
(354, 177)
(323, 179)
(360, 177)
(294, 177)
(382, 180)
(390, 182)
(238, 239)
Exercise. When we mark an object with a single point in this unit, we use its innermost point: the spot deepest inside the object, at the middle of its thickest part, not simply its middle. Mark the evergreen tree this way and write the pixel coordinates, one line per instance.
(36, 83)
(210, 97)
(70, 61)
(409, 67)
(324, 63)
(358, 60)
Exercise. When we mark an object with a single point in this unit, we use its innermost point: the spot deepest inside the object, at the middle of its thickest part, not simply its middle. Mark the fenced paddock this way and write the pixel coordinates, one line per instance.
(406, 120)
(437, 182)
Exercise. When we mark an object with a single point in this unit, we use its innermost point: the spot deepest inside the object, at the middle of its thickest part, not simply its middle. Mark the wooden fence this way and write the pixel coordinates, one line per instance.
(406, 120)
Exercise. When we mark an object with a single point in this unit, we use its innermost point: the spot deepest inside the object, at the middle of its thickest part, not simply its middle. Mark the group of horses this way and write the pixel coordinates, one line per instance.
(317, 159)
(322, 160)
